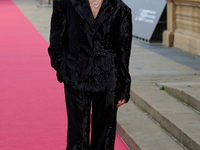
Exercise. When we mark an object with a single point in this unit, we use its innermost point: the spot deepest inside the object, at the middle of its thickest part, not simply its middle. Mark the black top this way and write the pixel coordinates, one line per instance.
(92, 54)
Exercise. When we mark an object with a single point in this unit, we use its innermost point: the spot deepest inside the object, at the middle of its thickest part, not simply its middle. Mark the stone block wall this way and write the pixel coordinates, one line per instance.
(183, 25)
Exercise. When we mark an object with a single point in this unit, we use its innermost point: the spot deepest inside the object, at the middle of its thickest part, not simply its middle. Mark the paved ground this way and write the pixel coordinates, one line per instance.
(149, 66)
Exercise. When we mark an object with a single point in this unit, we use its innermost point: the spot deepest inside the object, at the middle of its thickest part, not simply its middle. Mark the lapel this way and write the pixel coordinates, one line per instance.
(84, 10)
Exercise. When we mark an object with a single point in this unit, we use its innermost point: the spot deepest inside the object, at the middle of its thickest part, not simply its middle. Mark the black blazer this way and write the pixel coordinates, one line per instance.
(92, 54)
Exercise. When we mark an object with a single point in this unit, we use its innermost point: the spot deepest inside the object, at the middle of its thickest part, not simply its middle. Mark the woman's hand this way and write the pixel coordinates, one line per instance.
(121, 102)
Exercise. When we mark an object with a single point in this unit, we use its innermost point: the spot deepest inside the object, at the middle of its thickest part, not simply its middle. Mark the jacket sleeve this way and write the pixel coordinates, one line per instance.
(125, 41)
(55, 50)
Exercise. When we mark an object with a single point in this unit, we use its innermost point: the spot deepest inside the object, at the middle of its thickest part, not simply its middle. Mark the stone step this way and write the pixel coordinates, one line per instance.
(139, 131)
(187, 92)
(179, 120)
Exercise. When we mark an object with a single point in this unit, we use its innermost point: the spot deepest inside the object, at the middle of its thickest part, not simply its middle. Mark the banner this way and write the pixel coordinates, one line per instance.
(145, 16)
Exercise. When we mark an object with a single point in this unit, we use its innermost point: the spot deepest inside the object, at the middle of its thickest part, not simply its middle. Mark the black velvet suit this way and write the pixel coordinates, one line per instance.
(92, 55)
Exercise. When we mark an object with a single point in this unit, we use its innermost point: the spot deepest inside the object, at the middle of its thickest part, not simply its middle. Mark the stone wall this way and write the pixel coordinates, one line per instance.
(183, 25)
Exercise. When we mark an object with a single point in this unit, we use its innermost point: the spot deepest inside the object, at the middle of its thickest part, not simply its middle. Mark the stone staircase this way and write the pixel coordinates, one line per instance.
(161, 116)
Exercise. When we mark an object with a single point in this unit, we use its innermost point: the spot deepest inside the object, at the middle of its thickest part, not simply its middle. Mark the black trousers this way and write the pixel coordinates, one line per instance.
(103, 121)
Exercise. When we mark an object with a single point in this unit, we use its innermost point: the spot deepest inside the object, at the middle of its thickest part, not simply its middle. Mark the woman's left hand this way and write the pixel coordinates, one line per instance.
(121, 102)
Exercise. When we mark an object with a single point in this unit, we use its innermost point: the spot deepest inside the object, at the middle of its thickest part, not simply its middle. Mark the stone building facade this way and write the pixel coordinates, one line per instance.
(183, 25)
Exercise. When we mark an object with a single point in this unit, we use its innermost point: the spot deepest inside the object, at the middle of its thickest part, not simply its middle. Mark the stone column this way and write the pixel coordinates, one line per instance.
(168, 35)
(187, 33)
(41, 2)
(183, 25)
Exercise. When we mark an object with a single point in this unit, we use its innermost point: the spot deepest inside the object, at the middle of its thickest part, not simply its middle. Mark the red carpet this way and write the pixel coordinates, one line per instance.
(32, 106)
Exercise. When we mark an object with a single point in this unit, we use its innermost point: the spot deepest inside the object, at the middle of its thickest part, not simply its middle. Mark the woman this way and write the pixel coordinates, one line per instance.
(90, 44)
